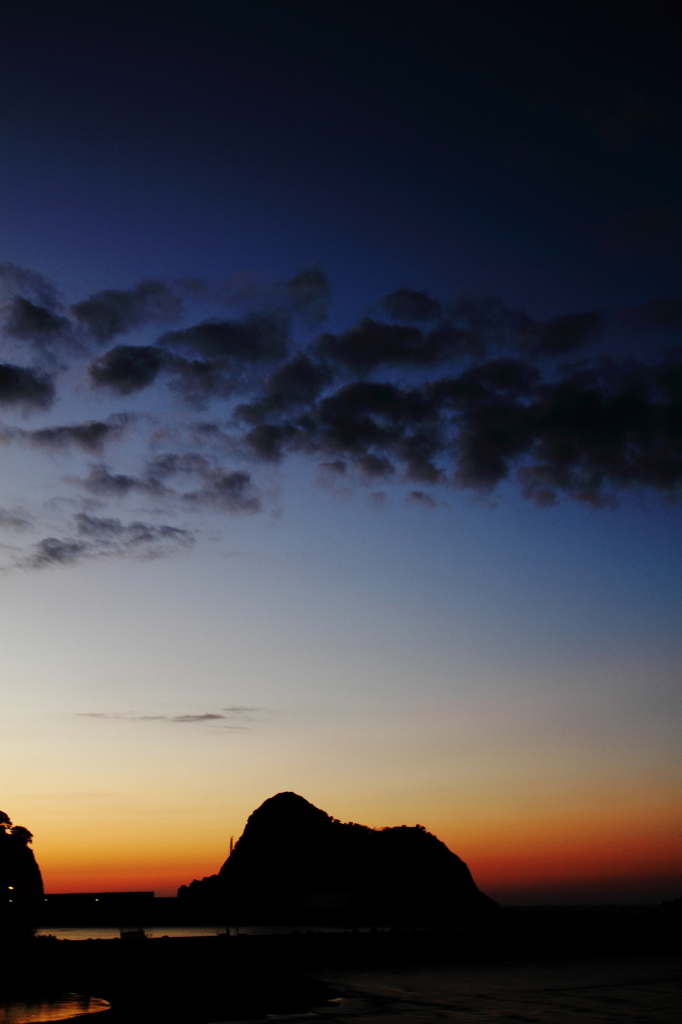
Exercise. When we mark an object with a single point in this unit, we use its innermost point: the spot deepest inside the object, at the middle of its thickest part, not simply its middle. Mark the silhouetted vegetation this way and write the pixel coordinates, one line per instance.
(296, 864)
(21, 885)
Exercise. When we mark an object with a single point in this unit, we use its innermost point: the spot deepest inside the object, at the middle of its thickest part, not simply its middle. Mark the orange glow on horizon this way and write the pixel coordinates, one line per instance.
(504, 864)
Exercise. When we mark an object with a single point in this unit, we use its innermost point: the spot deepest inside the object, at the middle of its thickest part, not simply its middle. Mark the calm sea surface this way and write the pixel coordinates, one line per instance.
(187, 931)
(641, 990)
(115, 933)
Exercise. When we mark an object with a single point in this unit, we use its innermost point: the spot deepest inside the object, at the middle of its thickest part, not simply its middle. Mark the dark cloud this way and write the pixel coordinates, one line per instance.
(132, 535)
(336, 468)
(229, 490)
(127, 368)
(253, 339)
(55, 551)
(372, 343)
(448, 341)
(220, 488)
(170, 464)
(587, 433)
(369, 344)
(91, 436)
(306, 295)
(266, 439)
(410, 306)
(367, 413)
(374, 465)
(101, 482)
(376, 499)
(91, 526)
(472, 327)
(334, 476)
(20, 281)
(104, 484)
(490, 324)
(420, 498)
(98, 537)
(22, 386)
(418, 451)
(296, 382)
(198, 380)
(504, 376)
(26, 320)
(309, 295)
(108, 313)
(567, 333)
(377, 419)
(481, 394)
(603, 429)
(490, 417)
(13, 520)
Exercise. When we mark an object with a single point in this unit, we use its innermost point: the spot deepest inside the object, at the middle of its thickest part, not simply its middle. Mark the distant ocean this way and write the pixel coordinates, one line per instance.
(81, 932)
(628, 990)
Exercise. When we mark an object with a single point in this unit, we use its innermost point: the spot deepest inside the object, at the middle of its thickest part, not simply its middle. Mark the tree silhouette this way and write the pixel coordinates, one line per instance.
(21, 886)
(18, 832)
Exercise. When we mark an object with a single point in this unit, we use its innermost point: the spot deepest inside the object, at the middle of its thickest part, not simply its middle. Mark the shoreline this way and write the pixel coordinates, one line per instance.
(573, 991)
(631, 989)
(210, 979)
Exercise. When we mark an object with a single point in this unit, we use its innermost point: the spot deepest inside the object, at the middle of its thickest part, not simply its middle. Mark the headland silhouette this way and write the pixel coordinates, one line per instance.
(295, 864)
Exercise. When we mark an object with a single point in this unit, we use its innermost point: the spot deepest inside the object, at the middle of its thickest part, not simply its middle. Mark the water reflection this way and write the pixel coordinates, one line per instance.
(46, 1008)
(115, 933)
(187, 931)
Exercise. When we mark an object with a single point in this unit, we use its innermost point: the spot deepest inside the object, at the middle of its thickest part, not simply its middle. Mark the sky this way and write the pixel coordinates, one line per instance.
(340, 433)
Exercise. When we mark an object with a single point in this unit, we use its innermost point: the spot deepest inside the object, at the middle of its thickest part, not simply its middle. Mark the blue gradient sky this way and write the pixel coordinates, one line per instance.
(506, 675)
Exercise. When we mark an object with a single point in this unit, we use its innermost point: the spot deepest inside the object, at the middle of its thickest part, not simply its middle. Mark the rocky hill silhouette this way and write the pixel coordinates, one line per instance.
(296, 864)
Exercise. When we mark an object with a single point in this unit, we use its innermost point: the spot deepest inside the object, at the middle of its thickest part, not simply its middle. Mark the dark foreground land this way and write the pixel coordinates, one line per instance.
(202, 980)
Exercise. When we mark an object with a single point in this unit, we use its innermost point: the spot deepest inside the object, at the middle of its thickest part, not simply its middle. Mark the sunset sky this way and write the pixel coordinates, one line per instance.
(453, 601)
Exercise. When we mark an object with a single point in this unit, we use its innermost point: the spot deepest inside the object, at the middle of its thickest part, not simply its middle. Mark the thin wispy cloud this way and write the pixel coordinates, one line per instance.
(233, 718)
(13, 520)
(90, 436)
(207, 718)
(99, 537)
